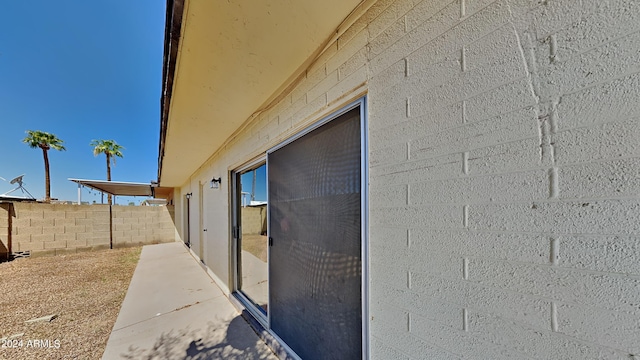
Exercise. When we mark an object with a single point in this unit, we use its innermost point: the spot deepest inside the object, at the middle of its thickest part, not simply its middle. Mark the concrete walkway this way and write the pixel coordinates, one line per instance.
(174, 310)
(255, 275)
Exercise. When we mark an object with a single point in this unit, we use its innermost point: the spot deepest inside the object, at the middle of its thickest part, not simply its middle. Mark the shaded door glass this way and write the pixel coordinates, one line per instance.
(253, 250)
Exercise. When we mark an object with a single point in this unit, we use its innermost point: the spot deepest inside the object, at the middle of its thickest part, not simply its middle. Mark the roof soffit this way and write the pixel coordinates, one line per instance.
(233, 56)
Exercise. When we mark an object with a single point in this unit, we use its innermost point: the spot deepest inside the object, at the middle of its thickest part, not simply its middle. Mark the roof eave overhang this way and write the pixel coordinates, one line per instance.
(226, 62)
(173, 26)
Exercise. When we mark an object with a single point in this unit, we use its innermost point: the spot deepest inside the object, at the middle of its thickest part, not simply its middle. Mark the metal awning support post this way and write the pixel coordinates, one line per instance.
(79, 194)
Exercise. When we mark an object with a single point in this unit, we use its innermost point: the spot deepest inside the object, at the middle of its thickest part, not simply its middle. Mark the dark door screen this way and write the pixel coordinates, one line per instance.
(315, 226)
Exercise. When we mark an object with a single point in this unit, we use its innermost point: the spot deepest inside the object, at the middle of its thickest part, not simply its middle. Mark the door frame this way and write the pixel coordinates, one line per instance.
(188, 219)
(201, 206)
(236, 231)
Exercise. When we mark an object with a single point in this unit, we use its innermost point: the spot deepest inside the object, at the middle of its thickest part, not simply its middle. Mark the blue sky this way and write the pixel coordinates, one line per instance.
(82, 70)
(246, 181)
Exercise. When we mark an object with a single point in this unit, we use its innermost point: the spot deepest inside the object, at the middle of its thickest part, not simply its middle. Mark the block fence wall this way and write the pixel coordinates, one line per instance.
(504, 143)
(51, 229)
(254, 219)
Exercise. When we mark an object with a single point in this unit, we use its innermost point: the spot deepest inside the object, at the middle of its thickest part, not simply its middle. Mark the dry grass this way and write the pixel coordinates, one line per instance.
(85, 290)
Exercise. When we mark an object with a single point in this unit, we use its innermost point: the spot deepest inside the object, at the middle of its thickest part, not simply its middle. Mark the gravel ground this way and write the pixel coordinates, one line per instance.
(84, 290)
(255, 244)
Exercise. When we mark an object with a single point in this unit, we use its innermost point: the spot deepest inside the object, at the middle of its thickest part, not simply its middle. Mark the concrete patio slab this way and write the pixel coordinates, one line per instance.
(255, 276)
(174, 310)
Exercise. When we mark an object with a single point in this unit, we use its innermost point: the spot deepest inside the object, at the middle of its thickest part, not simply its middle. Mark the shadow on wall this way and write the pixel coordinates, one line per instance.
(235, 342)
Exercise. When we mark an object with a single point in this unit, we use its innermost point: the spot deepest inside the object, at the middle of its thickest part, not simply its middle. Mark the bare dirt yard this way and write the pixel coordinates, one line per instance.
(84, 290)
(255, 244)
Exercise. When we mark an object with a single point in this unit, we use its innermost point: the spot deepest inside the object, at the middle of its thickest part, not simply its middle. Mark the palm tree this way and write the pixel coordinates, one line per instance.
(44, 141)
(111, 149)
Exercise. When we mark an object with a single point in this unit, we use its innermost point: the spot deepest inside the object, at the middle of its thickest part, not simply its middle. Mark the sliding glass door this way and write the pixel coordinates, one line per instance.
(299, 229)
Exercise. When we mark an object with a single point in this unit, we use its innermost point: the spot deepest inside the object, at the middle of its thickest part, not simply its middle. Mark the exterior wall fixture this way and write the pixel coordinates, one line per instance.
(188, 195)
(215, 183)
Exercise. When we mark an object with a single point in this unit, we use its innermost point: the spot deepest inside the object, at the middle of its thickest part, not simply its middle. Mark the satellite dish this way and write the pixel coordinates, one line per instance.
(17, 179)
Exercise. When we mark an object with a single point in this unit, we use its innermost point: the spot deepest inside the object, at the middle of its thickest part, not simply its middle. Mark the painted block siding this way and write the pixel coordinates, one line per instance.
(51, 229)
(504, 143)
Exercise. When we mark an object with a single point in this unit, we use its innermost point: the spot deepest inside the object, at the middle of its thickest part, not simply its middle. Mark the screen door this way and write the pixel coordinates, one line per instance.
(315, 272)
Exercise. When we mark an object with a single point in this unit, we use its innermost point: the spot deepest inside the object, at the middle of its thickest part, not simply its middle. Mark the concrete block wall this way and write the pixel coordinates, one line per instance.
(504, 148)
(505, 193)
(254, 219)
(51, 229)
(138, 225)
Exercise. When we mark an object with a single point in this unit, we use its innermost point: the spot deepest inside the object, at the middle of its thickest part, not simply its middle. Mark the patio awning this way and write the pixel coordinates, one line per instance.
(15, 198)
(118, 188)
